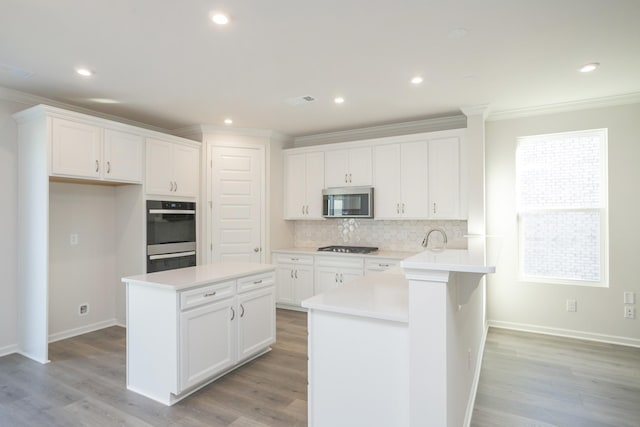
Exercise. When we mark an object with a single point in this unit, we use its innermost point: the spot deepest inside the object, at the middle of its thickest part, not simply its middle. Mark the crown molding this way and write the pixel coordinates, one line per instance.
(381, 131)
(198, 131)
(563, 107)
(474, 110)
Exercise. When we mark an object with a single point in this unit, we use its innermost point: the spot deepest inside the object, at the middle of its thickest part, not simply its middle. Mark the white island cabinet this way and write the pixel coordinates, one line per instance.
(187, 327)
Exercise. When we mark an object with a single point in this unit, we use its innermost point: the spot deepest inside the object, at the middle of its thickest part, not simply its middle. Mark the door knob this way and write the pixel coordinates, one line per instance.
(256, 249)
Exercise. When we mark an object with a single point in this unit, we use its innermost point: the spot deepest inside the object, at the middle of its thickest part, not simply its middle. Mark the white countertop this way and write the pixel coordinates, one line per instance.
(457, 260)
(380, 296)
(183, 278)
(377, 254)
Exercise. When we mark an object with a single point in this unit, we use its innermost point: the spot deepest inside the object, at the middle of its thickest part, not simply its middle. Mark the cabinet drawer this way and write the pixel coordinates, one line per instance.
(380, 264)
(256, 281)
(204, 295)
(343, 261)
(294, 259)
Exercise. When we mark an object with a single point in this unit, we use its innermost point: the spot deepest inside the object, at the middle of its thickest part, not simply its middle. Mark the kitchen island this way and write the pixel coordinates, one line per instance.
(400, 348)
(189, 326)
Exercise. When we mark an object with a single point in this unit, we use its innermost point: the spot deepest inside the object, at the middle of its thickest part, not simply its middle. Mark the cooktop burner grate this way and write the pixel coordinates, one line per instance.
(349, 249)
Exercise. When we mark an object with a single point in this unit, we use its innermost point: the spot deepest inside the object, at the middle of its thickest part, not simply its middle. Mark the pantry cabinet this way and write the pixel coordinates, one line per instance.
(85, 151)
(347, 168)
(172, 169)
(304, 181)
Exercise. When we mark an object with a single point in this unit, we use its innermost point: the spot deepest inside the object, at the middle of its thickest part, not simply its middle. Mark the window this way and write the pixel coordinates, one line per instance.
(561, 185)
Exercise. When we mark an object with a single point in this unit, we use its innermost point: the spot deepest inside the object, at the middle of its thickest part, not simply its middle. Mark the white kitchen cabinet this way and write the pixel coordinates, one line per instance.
(85, 151)
(400, 176)
(444, 178)
(376, 265)
(207, 341)
(187, 327)
(172, 169)
(346, 168)
(304, 181)
(294, 273)
(334, 271)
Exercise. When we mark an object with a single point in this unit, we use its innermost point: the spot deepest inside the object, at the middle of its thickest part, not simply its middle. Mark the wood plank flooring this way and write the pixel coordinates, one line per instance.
(533, 380)
(526, 380)
(84, 385)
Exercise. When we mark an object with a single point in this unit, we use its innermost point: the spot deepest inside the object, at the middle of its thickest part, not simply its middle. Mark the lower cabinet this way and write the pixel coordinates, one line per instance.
(181, 340)
(294, 274)
(332, 272)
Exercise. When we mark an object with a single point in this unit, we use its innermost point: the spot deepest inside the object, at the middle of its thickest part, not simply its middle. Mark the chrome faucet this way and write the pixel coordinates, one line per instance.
(425, 241)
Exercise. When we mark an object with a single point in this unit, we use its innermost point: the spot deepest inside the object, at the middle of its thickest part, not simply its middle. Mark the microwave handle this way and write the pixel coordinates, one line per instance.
(175, 255)
(172, 211)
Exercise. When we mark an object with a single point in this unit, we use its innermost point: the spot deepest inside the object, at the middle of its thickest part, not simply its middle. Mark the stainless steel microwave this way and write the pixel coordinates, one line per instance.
(347, 202)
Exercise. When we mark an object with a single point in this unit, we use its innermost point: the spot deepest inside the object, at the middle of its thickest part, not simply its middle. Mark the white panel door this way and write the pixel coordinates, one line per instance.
(236, 207)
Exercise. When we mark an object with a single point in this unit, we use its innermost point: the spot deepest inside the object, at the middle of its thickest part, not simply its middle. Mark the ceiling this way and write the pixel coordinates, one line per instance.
(167, 65)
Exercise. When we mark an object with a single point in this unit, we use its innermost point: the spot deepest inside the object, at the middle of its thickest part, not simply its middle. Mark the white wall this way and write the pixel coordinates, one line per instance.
(541, 307)
(8, 224)
(86, 272)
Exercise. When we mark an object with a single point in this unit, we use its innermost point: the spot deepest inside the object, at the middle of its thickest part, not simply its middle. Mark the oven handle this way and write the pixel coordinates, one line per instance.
(175, 255)
(172, 211)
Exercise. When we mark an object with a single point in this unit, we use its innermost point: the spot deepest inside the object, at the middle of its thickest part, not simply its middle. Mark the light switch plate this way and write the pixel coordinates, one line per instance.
(629, 297)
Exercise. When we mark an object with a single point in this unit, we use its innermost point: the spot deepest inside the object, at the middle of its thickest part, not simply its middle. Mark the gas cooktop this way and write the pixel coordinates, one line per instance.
(349, 249)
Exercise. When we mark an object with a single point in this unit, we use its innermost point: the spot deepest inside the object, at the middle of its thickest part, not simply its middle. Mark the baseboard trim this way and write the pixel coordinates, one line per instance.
(476, 378)
(8, 349)
(567, 333)
(82, 330)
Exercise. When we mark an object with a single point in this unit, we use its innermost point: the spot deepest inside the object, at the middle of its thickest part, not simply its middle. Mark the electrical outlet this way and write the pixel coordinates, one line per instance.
(83, 309)
(73, 239)
(629, 312)
(572, 305)
(629, 298)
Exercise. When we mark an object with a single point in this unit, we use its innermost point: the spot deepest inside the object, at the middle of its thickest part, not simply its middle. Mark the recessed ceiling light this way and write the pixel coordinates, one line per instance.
(587, 68)
(338, 100)
(228, 121)
(84, 72)
(220, 18)
(417, 80)
(104, 100)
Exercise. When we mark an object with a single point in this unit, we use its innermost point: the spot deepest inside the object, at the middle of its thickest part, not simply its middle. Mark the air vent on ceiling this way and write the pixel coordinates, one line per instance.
(300, 100)
(15, 71)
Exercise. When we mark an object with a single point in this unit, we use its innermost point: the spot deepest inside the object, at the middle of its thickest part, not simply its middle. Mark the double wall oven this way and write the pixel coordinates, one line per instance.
(171, 235)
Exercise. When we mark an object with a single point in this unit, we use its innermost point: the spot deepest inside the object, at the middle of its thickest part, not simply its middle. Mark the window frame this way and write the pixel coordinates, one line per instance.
(603, 210)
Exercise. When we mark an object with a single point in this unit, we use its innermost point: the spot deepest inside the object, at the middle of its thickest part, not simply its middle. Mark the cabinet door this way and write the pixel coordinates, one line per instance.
(360, 166)
(444, 178)
(159, 176)
(295, 190)
(304, 283)
(256, 321)
(336, 168)
(414, 178)
(387, 195)
(314, 185)
(186, 167)
(327, 278)
(122, 156)
(347, 275)
(75, 149)
(285, 292)
(207, 342)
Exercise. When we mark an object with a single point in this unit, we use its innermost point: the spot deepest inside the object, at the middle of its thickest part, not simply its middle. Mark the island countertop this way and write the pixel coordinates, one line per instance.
(382, 296)
(184, 278)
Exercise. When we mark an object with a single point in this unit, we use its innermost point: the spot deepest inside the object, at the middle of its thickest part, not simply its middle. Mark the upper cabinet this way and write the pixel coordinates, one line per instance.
(444, 178)
(350, 167)
(172, 169)
(85, 151)
(304, 181)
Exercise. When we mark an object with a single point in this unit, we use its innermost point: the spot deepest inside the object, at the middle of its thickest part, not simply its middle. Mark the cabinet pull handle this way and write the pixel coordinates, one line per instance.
(257, 282)
(233, 313)
(383, 265)
(170, 185)
(302, 209)
(403, 208)
(307, 209)
(296, 274)
(97, 166)
(341, 278)
(291, 274)
(175, 184)
(108, 167)
(336, 277)
(242, 312)
(397, 207)
(295, 259)
(434, 207)
(210, 294)
(349, 178)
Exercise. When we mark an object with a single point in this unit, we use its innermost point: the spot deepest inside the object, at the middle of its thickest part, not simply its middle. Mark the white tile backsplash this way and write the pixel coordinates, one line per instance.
(403, 236)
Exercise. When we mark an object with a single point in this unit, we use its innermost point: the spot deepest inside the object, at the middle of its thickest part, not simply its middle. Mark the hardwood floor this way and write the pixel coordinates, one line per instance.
(526, 380)
(84, 385)
(537, 380)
